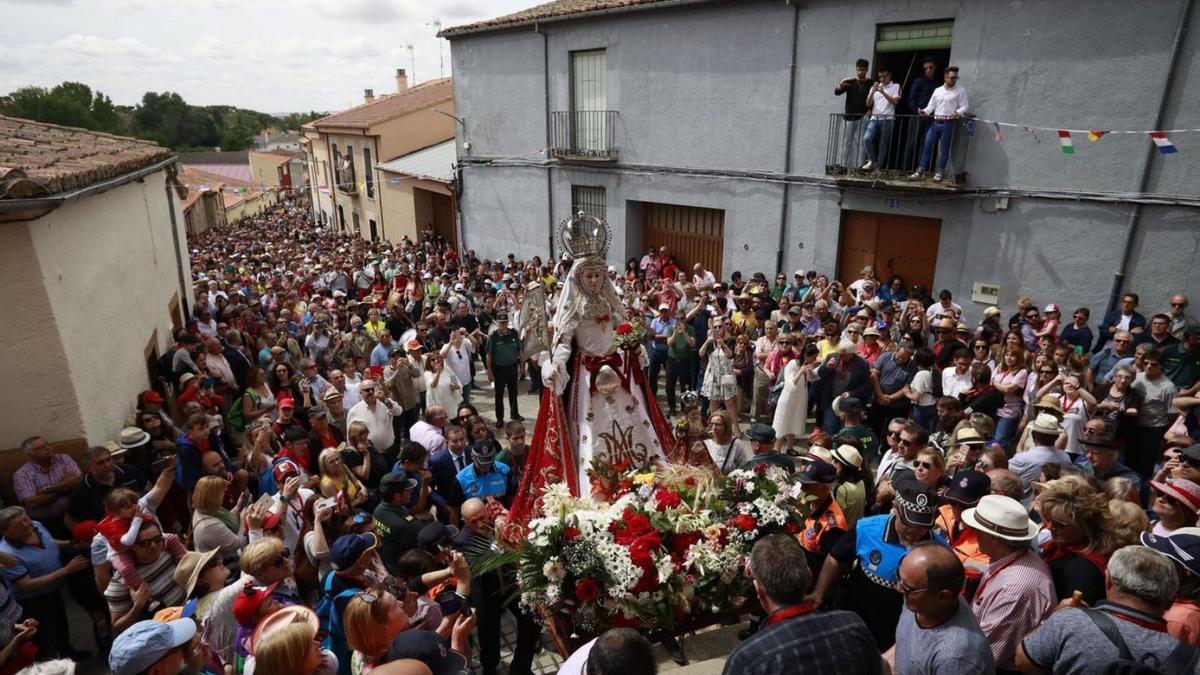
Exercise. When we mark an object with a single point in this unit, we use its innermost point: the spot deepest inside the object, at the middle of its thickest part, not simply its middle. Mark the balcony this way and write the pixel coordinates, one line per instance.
(583, 135)
(846, 152)
(346, 182)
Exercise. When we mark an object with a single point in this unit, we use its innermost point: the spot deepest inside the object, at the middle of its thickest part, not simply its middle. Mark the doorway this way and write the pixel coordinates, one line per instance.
(691, 234)
(903, 49)
(892, 244)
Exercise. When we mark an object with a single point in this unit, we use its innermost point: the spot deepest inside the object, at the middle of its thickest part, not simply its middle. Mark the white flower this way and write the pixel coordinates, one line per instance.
(554, 570)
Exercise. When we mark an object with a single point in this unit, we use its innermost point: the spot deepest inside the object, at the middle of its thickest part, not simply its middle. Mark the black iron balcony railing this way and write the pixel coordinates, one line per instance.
(918, 150)
(583, 134)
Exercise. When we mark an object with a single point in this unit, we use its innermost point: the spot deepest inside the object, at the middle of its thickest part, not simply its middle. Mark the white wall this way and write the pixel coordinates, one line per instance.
(110, 270)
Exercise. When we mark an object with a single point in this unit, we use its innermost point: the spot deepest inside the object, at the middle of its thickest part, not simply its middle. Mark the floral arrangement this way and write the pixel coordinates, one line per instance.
(669, 545)
(629, 335)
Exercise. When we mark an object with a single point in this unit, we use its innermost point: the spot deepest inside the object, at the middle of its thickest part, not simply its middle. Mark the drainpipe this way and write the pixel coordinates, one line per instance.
(787, 152)
(175, 239)
(1135, 215)
(549, 167)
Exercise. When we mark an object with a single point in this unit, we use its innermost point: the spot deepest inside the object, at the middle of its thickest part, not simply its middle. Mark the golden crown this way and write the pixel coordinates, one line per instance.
(584, 236)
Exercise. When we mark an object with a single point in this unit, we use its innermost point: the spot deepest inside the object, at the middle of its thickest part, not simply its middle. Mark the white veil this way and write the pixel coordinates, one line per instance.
(577, 303)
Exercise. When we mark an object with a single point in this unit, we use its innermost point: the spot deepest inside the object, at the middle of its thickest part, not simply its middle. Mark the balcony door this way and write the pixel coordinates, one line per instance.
(589, 98)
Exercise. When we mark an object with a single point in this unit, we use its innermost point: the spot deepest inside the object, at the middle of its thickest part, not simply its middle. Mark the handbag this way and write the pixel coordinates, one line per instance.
(775, 392)
(729, 380)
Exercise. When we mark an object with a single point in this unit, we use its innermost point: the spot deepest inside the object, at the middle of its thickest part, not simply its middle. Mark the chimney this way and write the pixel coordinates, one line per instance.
(401, 81)
(368, 95)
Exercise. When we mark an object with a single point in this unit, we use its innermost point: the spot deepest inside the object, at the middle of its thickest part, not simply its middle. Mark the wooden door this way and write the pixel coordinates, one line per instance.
(893, 244)
(690, 233)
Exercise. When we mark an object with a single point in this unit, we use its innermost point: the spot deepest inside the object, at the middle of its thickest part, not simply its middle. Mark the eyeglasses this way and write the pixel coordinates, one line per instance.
(923, 465)
(978, 347)
(1179, 304)
(1046, 372)
(906, 442)
(152, 541)
(909, 590)
(1121, 340)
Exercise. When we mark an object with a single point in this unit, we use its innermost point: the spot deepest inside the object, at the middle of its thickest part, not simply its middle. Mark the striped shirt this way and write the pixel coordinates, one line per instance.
(1014, 596)
(159, 575)
(30, 478)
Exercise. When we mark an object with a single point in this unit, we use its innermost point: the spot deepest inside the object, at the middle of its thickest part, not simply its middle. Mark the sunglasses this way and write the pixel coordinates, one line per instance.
(282, 559)
(923, 465)
(1046, 372)
(893, 434)
(906, 443)
(152, 541)
(1179, 304)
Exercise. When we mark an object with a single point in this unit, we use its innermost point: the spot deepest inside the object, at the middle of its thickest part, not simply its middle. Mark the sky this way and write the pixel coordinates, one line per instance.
(273, 56)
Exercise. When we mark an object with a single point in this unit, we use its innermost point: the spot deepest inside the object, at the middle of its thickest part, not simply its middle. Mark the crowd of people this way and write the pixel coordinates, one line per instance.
(308, 484)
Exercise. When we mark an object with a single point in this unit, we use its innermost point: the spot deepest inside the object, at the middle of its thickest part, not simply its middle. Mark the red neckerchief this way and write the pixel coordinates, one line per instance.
(1052, 552)
(788, 613)
(1158, 624)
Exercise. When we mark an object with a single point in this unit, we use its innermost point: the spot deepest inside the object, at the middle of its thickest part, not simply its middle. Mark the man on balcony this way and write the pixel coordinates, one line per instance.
(947, 105)
(856, 89)
(882, 103)
(919, 93)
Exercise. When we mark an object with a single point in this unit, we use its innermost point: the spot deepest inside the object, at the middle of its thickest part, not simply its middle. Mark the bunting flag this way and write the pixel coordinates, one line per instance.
(970, 128)
(1164, 145)
(1031, 132)
(996, 132)
(1095, 134)
(1064, 139)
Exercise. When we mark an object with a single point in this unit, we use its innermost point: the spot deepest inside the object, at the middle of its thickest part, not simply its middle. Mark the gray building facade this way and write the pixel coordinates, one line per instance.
(726, 105)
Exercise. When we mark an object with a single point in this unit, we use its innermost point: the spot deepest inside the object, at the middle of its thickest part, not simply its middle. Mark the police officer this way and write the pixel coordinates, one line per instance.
(966, 489)
(871, 553)
(485, 477)
(762, 441)
(503, 353)
(398, 531)
(825, 524)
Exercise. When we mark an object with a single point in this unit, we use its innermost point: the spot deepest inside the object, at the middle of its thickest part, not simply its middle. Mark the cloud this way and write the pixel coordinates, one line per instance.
(94, 46)
(361, 11)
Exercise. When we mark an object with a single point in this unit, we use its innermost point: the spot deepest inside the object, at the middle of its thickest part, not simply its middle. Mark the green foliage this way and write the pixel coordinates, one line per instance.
(70, 104)
(165, 118)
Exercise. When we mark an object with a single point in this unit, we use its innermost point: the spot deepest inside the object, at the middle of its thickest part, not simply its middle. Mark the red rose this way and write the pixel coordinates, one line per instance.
(639, 523)
(792, 527)
(745, 522)
(624, 537)
(587, 590)
(571, 533)
(761, 467)
(682, 541)
(641, 551)
(624, 329)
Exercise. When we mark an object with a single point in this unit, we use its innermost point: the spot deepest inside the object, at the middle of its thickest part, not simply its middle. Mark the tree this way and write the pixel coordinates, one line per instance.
(69, 103)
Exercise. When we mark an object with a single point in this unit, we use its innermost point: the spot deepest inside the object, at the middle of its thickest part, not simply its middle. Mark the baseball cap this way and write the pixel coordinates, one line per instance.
(151, 396)
(295, 433)
(817, 472)
(145, 642)
(433, 534)
(968, 487)
(427, 647)
(288, 402)
(763, 433)
(249, 600)
(350, 548)
(915, 501)
(1182, 546)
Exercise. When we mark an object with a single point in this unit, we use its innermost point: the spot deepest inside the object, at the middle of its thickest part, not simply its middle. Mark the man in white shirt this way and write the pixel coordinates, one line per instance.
(376, 414)
(947, 105)
(702, 279)
(881, 100)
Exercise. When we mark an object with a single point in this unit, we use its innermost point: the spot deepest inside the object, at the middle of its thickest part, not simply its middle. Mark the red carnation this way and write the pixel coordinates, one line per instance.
(761, 467)
(571, 533)
(641, 551)
(639, 523)
(624, 329)
(587, 590)
(667, 499)
(745, 522)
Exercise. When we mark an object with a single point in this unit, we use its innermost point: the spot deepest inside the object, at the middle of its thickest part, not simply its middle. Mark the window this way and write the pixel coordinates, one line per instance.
(904, 37)
(368, 173)
(373, 227)
(356, 224)
(589, 98)
(591, 200)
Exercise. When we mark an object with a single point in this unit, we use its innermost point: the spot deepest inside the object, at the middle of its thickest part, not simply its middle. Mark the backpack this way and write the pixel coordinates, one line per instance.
(330, 621)
(1182, 659)
(235, 417)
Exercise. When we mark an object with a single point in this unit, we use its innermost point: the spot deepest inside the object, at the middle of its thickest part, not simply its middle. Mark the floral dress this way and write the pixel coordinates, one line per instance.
(719, 383)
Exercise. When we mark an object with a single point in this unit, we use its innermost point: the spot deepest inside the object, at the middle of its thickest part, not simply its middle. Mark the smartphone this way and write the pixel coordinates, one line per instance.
(160, 465)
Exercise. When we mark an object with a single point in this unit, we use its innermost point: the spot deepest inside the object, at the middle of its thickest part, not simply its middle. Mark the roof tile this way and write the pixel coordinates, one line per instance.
(39, 159)
(388, 107)
(555, 9)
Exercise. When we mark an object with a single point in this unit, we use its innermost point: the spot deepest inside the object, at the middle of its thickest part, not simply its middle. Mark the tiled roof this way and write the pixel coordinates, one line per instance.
(549, 10)
(279, 157)
(388, 107)
(39, 159)
(237, 172)
(200, 180)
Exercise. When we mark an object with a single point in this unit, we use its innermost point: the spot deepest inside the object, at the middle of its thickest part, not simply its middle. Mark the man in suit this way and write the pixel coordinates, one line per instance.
(444, 465)
(1124, 318)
